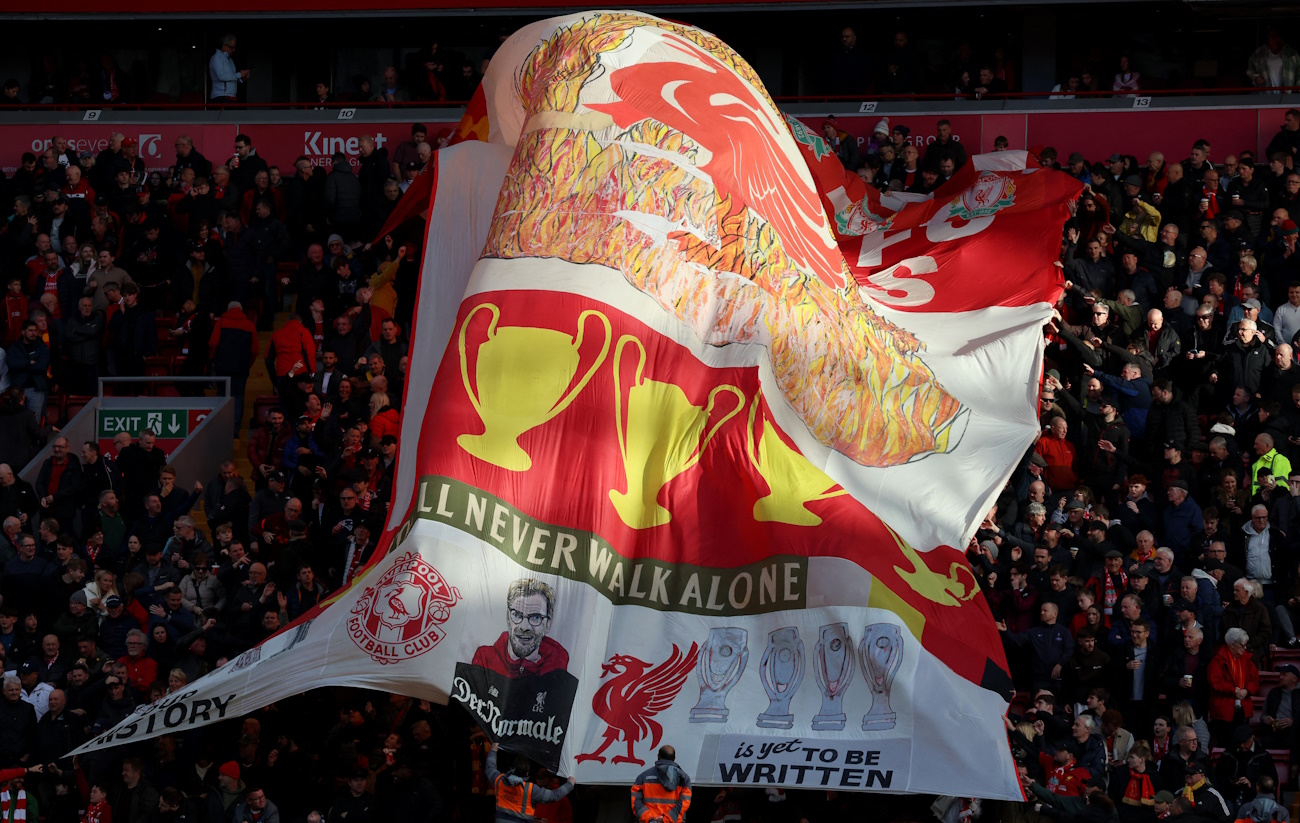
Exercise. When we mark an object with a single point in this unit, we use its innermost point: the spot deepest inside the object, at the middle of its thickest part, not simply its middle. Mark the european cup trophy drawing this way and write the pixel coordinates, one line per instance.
(721, 663)
(833, 664)
(881, 653)
(781, 671)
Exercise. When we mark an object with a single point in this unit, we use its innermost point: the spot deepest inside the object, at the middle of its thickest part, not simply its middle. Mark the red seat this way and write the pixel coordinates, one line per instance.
(75, 404)
(1282, 760)
(56, 409)
(1283, 654)
(262, 406)
(157, 366)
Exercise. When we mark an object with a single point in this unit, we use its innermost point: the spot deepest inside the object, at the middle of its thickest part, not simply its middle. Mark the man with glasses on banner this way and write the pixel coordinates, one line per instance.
(523, 649)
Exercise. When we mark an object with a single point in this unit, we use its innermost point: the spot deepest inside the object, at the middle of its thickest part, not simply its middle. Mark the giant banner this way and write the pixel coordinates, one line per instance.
(673, 470)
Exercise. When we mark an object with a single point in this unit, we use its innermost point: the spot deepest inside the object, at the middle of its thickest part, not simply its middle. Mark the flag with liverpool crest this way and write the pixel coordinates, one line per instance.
(695, 430)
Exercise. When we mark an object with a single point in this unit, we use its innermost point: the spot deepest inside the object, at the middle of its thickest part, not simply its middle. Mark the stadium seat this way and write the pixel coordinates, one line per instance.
(262, 407)
(1283, 654)
(76, 402)
(1282, 760)
(56, 409)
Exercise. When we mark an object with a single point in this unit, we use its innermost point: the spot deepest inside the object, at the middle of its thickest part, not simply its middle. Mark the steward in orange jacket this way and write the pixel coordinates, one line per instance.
(662, 792)
(517, 796)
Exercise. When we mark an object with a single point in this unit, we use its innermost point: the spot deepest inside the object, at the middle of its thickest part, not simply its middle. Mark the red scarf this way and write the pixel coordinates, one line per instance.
(98, 813)
(1110, 596)
(17, 804)
(1211, 211)
(1159, 750)
(1139, 791)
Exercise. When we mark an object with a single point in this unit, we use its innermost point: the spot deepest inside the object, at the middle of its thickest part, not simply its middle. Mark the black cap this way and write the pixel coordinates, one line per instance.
(276, 476)
(1139, 572)
(391, 440)
(1075, 157)
(1074, 505)
(1195, 767)
(1212, 564)
(101, 200)
(111, 601)
(1112, 554)
(369, 453)
(1169, 444)
(1133, 180)
(297, 525)
(1235, 215)
(1241, 734)
(29, 667)
(1178, 484)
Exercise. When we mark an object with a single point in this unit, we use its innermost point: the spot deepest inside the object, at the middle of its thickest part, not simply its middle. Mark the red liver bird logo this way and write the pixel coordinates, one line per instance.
(629, 701)
(702, 97)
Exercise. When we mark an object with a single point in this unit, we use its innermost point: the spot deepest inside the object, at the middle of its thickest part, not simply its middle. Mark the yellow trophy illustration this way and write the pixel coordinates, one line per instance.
(792, 481)
(663, 436)
(524, 378)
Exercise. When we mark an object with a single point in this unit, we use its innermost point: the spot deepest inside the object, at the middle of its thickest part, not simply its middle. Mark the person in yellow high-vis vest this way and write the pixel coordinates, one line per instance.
(517, 796)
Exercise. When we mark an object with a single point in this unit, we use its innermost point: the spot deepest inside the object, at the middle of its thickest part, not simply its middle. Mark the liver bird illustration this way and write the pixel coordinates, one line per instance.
(698, 95)
(629, 701)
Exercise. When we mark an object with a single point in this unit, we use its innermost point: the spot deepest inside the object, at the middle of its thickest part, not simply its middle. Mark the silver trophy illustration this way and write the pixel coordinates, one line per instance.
(721, 663)
(882, 653)
(781, 671)
(833, 664)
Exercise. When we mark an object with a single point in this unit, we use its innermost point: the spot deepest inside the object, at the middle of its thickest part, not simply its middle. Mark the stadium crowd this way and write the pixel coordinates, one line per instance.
(1143, 560)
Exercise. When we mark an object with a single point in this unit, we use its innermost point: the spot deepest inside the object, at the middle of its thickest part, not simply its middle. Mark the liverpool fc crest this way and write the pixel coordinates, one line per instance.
(401, 616)
(989, 194)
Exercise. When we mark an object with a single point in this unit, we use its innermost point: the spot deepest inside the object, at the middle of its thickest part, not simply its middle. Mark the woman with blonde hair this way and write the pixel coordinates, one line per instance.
(1185, 715)
(384, 419)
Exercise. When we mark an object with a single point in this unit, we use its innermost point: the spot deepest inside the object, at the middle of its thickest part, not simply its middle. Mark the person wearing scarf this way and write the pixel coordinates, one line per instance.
(1160, 739)
(1133, 786)
(1233, 678)
(1205, 799)
(13, 798)
(1112, 584)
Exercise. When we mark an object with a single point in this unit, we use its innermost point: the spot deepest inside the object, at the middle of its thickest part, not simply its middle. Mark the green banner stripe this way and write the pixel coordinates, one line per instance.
(775, 584)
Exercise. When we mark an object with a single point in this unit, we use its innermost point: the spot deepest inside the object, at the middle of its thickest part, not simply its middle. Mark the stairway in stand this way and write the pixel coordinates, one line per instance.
(259, 385)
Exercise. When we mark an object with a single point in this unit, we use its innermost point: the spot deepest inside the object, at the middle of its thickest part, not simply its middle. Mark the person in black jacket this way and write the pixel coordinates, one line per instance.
(1281, 711)
(134, 331)
(1243, 362)
(1241, 766)
(1170, 419)
(17, 724)
(59, 499)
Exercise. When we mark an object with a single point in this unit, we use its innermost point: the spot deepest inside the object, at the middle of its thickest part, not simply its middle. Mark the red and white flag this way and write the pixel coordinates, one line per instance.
(691, 431)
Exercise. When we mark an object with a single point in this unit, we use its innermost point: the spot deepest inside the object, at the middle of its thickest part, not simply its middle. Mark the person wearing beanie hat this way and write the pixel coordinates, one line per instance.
(1281, 709)
(230, 790)
(899, 136)
(879, 137)
(842, 143)
(1241, 765)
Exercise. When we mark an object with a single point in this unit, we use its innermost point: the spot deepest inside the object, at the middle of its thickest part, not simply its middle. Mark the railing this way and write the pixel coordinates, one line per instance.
(952, 96)
(221, 382)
